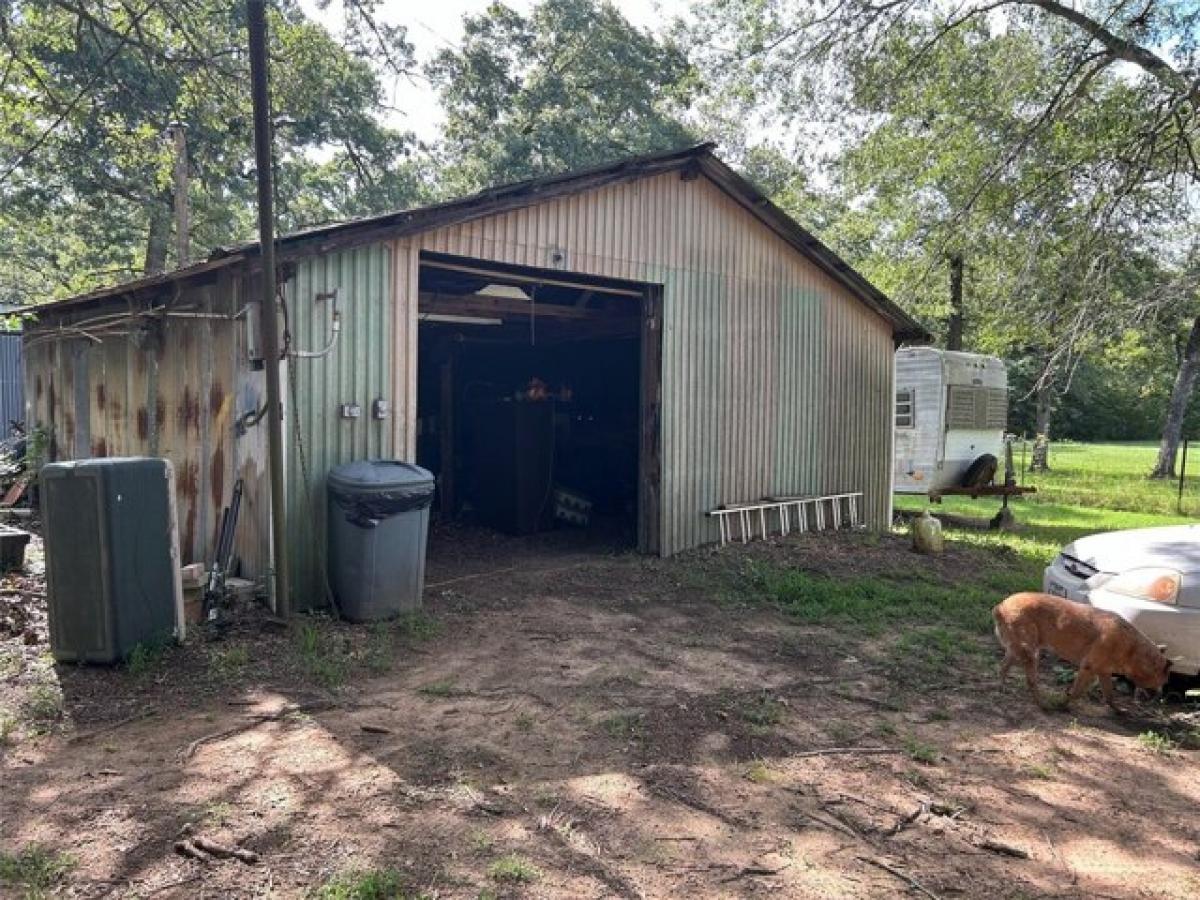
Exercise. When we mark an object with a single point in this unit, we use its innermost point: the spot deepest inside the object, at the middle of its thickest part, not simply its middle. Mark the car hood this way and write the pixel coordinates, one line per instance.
(1173, 546)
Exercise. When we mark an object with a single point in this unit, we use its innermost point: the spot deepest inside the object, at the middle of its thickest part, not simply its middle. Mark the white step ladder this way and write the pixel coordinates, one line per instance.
(829, 510)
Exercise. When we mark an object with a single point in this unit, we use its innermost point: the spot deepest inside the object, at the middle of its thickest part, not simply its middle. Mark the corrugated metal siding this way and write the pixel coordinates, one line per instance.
(12, 380)
(775, 378)
(157, 387)
(358, 370)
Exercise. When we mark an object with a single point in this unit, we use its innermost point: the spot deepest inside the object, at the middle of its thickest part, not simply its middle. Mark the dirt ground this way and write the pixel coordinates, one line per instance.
(576, 724)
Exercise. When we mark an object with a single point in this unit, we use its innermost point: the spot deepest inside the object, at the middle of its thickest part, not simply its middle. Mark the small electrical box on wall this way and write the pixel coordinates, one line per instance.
(380, 409)
(350, 410)
(254, 334)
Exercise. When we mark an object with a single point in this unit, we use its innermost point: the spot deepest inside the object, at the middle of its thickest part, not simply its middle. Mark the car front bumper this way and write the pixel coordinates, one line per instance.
(1175, 627)
(1059, 581)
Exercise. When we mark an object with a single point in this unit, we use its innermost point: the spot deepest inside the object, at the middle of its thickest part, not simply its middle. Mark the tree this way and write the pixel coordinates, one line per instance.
(572, 84)
(1005, 132)
(1183, 314)
(88, 89)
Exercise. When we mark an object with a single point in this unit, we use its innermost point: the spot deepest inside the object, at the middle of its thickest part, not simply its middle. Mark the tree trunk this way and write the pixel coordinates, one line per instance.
(954, 334)
(1040, 461)
(1181, 395)
(159, 237)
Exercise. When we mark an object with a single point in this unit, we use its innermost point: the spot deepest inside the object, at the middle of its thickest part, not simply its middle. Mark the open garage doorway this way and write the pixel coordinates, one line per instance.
(538, 399)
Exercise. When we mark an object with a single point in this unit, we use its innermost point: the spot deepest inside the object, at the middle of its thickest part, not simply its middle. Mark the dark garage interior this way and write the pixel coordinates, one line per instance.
(528, 404)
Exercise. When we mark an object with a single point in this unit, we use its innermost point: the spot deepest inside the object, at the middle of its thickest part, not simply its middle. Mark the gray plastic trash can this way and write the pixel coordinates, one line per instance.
(378, 522)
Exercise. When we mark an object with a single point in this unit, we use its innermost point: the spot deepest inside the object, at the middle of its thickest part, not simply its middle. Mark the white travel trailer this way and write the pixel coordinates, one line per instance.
(951, 408)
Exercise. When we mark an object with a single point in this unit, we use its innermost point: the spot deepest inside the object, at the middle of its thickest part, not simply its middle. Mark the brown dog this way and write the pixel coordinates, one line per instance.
(1100, 643)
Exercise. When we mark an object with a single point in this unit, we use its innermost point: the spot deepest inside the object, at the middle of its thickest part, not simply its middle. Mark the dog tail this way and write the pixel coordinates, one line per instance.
(1000, 626)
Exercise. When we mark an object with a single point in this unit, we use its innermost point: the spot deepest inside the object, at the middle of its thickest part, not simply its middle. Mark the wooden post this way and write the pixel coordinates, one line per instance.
(256, 21)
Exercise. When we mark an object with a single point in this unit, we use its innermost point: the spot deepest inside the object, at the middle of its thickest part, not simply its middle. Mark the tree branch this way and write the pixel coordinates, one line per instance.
(1123, 49)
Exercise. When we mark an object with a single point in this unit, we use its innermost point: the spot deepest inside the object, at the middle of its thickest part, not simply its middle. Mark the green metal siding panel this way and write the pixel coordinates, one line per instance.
(358, 370)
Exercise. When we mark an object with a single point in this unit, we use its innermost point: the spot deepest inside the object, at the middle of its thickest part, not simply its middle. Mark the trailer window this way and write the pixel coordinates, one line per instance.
(905, 417)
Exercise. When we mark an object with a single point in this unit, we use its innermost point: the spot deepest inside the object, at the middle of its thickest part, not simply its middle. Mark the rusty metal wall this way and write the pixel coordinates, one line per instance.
(169, 383)
(357, 370)
(775, 378)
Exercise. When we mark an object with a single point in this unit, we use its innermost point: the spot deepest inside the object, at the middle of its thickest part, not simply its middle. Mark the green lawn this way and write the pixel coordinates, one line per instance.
(1090, 488)
(1113, 476)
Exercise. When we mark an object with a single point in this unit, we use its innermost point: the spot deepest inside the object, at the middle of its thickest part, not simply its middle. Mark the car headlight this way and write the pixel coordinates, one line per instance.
(1159, 585)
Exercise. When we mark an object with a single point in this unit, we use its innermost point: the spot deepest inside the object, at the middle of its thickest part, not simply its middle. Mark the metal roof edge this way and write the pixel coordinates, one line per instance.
(531, 191)
(905, 327)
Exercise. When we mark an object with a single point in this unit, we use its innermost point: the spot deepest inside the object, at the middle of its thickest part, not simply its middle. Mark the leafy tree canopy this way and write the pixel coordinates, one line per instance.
(569, 85)
(88, 89)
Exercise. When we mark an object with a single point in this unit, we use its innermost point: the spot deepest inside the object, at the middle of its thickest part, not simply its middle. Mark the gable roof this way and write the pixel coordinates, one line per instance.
(697, 160)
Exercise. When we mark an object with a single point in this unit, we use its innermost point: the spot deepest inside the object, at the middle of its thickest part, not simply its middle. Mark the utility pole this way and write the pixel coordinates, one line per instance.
(183, 214)
(954, 332)
(256, 20)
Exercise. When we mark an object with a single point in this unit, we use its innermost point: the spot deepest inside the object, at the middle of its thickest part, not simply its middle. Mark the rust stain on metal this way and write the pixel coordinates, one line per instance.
(143, 423)
(189, 479)
(216, 396)
(101, 396)
(188, 412)
(100, 448)
(217, 477)
(188, 485)
(160, 412)
(189, 531)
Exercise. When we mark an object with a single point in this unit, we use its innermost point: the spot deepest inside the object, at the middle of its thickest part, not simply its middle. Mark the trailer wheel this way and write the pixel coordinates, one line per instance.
(981, 472)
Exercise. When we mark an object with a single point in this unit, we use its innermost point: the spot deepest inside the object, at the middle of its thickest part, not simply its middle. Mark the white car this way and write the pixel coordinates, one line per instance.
(1148, 576)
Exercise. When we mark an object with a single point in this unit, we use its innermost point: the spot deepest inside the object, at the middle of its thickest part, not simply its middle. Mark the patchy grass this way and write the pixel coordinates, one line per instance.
(418, 626)
(8, 727)
(10, 663)
(216, 813)
(761, 710)
(320, 659)
(373, 884)
(624, 726)
(935, 651)
(759, 772)
(445, 687)
(513, 869)
(37, 869)
(1157, 743)
(920, 751)
(146, 656)
(1041, 771)
(481, 841)
(875, 603)
(228, 664)
(524, 722)
(842, 732)
(43, 704)
(379, 655)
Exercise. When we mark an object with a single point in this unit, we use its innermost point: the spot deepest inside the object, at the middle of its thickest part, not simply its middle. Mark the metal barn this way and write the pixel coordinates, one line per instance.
(698, 346)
